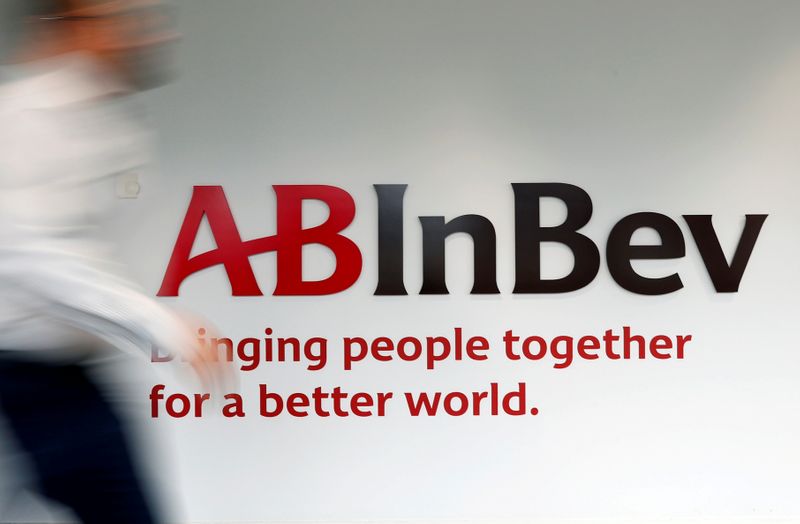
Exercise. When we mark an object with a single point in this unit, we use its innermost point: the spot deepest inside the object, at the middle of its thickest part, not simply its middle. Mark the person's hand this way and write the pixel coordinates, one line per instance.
(215, 373)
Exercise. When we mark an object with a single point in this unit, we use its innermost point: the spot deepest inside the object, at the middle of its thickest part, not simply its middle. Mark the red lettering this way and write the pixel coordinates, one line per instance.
(233, 253)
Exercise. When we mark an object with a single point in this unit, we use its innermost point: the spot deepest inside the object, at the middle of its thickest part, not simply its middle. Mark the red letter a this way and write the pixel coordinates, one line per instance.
(210, 201)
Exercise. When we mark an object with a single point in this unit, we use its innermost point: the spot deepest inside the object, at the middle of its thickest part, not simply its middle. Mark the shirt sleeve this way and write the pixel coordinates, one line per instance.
(78, 292)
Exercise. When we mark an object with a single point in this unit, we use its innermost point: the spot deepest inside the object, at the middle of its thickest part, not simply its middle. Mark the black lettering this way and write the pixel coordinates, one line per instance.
(620, 252)
(390, 239)
(434, 233)
(529, 235)
(726, 278)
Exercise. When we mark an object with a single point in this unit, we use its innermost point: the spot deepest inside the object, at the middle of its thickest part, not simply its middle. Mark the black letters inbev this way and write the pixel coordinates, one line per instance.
(233, 253)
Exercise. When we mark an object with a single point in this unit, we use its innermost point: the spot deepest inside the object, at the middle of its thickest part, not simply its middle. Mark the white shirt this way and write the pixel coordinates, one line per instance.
(66, 131)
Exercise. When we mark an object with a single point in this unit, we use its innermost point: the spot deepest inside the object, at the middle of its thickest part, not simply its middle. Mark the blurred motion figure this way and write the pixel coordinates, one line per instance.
(65, 133)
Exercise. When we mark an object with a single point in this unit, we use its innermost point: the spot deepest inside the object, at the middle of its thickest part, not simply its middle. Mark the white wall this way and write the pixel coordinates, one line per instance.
(675, 107)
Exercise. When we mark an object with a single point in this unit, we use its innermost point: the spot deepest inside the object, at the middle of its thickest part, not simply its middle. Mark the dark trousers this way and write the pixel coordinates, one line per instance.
(74, 440)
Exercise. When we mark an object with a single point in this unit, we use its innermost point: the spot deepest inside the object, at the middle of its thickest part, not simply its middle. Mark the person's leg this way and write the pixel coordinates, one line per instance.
(74, 440)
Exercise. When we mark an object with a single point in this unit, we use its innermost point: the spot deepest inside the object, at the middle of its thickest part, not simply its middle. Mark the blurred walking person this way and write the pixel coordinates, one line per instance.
(65, 134)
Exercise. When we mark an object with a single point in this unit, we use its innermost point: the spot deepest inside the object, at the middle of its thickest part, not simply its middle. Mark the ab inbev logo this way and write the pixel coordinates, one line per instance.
(233, 252)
